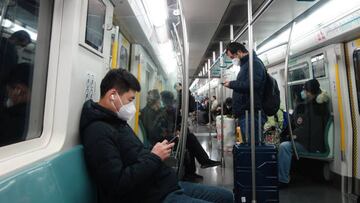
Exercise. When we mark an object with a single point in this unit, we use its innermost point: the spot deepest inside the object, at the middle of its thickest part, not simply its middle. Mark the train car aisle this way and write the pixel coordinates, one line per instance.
(302, 189)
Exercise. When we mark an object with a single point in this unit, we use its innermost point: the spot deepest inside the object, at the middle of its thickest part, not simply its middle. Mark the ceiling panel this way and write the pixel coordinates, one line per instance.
(202, 19)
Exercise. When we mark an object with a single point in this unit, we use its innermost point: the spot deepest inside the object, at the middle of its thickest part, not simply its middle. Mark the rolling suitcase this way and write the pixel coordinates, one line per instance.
(266, 173)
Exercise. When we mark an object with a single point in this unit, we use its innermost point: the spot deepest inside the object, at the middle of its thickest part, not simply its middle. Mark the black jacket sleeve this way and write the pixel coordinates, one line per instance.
(106, 162)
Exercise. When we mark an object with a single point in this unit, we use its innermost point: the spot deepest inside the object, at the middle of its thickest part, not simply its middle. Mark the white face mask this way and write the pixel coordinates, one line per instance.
(126, 112)
(236, 61)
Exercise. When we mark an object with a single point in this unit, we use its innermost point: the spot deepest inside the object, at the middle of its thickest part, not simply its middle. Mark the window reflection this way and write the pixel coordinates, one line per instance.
(299, 72)
(318, 66)
(95, 24)
(18, 51)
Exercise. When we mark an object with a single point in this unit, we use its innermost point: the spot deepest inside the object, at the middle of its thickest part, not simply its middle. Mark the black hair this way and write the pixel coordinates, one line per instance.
(21, 36)
(20, 74)
(121, 80)
(152, 97)
(234, 47)
(312, 86)
(228, 101)
(214, 97)
(167, 98)
(176, 84)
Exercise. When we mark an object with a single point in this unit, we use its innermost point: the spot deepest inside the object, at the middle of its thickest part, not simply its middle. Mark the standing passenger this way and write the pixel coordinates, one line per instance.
(124, 170)
(241, 87)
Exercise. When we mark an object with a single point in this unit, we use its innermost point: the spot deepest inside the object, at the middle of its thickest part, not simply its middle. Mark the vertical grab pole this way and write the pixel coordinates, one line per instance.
(252, 113)
(209, 101)
(287, 91)
(185, 97)
(222, 103)
(222, 119)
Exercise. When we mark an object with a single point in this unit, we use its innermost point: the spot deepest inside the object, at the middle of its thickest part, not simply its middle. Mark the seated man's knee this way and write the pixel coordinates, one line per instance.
(285, 146)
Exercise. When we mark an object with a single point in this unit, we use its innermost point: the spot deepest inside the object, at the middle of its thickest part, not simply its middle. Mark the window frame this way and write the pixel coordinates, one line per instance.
(19, 154)
(299, 66)
(325, 67)
(82, 30)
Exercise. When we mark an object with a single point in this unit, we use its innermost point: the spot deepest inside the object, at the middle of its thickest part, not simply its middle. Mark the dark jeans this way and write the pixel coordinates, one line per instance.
(195, 151)
(242, 124)
(199, 193)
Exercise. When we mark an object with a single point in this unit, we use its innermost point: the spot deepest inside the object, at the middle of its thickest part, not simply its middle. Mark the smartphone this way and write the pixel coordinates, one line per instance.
(172, 139)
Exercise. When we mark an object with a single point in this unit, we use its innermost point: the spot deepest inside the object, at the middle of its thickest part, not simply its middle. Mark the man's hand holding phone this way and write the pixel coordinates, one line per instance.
(163, 149)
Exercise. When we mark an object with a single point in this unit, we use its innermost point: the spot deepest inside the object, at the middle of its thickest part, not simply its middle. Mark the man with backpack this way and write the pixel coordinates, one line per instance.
(241, 88)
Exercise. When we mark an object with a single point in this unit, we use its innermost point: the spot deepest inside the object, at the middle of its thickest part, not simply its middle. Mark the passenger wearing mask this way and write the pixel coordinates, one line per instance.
(13, 118)
(9, 56)
(123, 169)
(309, 120)
(241, 87)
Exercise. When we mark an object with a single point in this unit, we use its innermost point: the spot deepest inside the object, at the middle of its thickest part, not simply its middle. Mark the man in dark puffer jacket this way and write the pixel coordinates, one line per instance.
(124, 170)
(241, 87)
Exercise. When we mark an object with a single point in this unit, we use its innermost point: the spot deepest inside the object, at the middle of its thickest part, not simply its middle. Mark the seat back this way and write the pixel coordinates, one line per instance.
(62, 178)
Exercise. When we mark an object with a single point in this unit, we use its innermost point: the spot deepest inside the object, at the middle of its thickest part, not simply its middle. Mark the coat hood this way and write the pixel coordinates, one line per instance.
(322, 97)
(92, 112)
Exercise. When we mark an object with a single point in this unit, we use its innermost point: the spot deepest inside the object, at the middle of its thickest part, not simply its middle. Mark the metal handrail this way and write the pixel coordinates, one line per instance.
(287, 90)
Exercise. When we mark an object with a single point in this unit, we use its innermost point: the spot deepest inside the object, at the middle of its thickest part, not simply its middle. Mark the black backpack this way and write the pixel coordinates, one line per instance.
(271, 96)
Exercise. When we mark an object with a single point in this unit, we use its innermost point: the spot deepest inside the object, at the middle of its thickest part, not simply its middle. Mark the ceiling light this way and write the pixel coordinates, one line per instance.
(156, 11)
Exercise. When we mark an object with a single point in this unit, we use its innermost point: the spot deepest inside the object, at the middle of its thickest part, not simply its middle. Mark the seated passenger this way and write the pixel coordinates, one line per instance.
(151, 118)
(227, 106)
(123, 169)
(159, 124)
(13, 118)
(9, 56)
(310, 119)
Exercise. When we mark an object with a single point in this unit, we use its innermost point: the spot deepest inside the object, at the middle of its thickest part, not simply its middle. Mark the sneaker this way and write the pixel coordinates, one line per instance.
(211, 163)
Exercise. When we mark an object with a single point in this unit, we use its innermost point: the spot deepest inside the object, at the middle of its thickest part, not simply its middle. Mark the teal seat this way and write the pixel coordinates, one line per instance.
(62, 178)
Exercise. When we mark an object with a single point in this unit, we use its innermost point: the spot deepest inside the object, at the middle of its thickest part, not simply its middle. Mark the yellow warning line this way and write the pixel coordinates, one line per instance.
(136, 127)
(341, 112)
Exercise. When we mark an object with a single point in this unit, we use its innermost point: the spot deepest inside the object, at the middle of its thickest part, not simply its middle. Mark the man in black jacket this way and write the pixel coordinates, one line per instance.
(124, 170)
(241, 87)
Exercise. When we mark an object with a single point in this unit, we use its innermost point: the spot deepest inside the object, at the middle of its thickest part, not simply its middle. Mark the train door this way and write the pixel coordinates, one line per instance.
(353, 70)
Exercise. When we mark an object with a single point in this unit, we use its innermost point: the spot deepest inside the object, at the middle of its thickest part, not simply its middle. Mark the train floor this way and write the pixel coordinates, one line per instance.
(303, 188)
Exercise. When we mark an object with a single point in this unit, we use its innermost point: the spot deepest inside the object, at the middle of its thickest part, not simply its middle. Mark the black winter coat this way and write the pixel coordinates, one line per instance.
(310, 120)
(241, 87)
(123, 169)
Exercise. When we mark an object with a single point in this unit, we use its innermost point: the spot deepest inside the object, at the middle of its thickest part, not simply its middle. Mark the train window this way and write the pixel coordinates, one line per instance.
(299, 72)
(356, 59)
(318, 66)
(95, 22)
(23, 68)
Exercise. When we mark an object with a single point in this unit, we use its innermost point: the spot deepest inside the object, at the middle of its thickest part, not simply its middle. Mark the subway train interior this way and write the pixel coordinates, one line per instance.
(55, 53)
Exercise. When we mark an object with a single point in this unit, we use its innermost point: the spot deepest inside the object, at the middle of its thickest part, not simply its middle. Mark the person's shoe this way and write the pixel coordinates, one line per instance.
(211, 163)
(283, 185)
